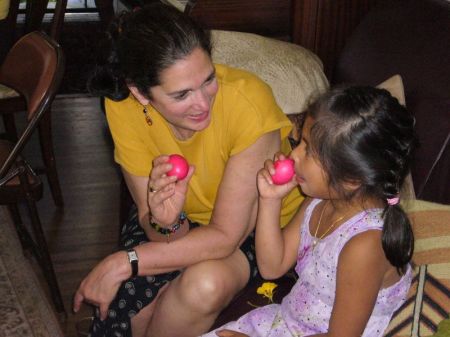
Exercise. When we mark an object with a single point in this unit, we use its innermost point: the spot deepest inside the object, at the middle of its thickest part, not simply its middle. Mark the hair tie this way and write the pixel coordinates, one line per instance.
(393, 201)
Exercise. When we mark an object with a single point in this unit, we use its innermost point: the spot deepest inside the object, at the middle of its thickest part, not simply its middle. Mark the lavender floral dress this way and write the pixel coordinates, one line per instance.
(306, 310)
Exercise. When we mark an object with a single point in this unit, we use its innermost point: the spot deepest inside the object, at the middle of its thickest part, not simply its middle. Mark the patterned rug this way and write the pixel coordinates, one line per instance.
(24, 309)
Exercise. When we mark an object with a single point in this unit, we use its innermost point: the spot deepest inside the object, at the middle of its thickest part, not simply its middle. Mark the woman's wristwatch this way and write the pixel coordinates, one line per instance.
(133, 259)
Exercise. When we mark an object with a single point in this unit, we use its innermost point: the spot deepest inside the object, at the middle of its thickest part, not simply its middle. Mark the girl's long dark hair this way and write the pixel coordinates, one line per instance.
(363, 135)
(140, 45)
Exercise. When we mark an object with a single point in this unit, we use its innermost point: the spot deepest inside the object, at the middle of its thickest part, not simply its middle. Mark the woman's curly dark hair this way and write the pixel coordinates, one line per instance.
(140, 45)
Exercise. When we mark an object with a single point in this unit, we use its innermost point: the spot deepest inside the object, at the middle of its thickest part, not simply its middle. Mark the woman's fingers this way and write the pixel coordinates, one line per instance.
(160, 166)
(103, 308)
(77, 301)
(157, 184)
(100, 286)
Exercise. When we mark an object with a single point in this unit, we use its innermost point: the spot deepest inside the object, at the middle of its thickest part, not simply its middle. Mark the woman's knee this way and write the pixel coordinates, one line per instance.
(208, 287)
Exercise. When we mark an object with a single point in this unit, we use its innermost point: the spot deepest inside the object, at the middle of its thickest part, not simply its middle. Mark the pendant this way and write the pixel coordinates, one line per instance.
(315, 242)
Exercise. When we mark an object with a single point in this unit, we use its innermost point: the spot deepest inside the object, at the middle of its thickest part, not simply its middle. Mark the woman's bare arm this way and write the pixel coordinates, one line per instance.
(233, 218)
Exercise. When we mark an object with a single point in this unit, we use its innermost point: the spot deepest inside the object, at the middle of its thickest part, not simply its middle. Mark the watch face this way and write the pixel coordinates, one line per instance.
(132, 255)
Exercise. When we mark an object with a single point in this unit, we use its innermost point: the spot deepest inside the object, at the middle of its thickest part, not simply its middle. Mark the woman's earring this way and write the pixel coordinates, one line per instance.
(147, 116)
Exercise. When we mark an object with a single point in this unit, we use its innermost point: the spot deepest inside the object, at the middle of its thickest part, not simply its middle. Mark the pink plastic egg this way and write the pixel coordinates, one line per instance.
(180, 166)
(284, 171)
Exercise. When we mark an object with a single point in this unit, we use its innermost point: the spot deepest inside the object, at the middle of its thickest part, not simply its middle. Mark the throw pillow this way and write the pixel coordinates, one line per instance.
(395, 87)
(428, 302)
(443, 329)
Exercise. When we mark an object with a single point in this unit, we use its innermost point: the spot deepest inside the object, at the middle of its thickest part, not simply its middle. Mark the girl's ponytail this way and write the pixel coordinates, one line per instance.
(363, 134)
(397, 237)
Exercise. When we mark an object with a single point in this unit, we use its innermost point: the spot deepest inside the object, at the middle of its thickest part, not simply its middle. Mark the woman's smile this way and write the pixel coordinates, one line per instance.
(199, 117)
(186, 94)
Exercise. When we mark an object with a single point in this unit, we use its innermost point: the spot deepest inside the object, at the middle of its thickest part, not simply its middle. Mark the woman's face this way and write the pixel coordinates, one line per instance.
(186, 94)
(309, 172)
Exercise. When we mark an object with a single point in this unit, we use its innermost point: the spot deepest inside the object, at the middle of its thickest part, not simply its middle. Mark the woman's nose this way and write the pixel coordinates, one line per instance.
(201, 100)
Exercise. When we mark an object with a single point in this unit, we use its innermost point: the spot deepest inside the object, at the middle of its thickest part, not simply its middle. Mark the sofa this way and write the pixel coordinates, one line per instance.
(296, 77)
(408, 39)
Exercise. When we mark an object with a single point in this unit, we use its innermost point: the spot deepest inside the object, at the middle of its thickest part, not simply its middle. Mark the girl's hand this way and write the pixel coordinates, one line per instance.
(166, 195)
(267, 189)
(100, 286)
(230, 333)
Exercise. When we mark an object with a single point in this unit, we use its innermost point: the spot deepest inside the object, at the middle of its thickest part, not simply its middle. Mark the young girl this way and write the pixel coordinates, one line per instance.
(355, 244)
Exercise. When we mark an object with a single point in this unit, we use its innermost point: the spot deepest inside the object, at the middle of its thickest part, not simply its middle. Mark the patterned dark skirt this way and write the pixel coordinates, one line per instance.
(138, 292)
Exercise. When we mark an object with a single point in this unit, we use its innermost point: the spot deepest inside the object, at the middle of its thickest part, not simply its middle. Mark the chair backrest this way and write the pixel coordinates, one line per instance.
(34, 67)
(34, 17)
(13, 11)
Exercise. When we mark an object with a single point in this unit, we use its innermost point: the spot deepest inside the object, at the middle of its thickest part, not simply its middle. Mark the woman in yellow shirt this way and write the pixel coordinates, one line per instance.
(174, 274)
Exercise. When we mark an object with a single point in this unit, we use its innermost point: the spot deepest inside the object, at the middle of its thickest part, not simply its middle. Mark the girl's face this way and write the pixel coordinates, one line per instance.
(309, 172)
(186, 93)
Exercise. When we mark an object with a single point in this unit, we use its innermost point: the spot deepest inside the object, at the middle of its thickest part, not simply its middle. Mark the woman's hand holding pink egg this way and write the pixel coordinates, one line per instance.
(167, 187)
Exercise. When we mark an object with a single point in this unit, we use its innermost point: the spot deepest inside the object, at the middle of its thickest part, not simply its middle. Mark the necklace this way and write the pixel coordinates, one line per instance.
(318, 239)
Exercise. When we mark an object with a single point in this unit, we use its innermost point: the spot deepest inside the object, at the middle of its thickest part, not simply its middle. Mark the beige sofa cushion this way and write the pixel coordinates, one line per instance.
(294, 73)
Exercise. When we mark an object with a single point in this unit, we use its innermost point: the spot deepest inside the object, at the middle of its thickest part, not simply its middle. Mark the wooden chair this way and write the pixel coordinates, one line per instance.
(34, 68)
(8, 28)
(11, 102)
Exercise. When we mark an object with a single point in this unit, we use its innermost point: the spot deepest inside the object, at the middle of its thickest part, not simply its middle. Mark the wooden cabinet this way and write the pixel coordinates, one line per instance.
(265, 17)
(319, 25)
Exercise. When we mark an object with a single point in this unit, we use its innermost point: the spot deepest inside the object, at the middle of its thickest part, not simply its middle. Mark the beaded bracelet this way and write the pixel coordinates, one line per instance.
(168, 231)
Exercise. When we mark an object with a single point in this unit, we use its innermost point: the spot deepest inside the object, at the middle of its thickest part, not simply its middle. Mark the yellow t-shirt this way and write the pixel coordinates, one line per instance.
(4, 9)
(244, 109)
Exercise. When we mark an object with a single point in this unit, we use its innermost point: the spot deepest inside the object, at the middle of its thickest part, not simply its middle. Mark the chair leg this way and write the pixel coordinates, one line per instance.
(44, 256)
(26, 241)
(45, 137)
(10, 127)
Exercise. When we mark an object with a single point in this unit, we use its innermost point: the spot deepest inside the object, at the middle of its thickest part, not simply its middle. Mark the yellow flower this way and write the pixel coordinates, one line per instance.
(267, 290)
